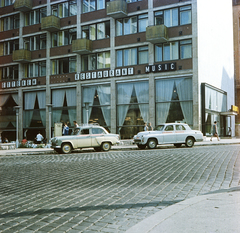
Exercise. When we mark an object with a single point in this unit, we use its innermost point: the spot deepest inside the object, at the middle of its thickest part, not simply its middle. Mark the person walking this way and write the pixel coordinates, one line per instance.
(39, 138)
(215, 131)
(65, 129)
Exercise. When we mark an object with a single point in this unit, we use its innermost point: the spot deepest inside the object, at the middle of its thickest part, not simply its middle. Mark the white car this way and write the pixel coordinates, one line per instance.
(83, 137)
(169, 133)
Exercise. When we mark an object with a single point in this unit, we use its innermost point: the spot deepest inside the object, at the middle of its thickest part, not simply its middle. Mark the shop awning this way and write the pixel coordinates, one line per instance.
(229, 113)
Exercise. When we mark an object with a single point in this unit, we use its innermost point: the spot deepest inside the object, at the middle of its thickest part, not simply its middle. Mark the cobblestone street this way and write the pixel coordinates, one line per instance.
(107, 192)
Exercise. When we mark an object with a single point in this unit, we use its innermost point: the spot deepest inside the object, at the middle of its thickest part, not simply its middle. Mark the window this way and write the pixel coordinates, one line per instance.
(10, 46)
(92, 5)
(166, 52)
(6, 2)
(9, 23)
(64, 9)
(99, 99)
(133, 1)
(180, 127)
(132, 107)
(132, 56)
(35, 42)
(174, 100)
(96, 61)
(35, 16)
(64, 37)
(174, 17)
(185, 49)
(36, 69)
(98, 131)
(131, 25)
(10, 72)
(96, 31)
(185, 15)
(64, 65)
(169, 128)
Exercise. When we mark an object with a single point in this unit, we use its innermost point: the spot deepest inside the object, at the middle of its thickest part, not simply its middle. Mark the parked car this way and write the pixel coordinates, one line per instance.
(169, 133)
(84, 137)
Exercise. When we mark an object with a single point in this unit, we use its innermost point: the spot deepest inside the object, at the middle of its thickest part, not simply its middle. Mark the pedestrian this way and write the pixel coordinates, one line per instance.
(75, 124)
(39, 138)
(65, 129)
(150, 128)
(5, 140)
(145, 126)
(215, 131)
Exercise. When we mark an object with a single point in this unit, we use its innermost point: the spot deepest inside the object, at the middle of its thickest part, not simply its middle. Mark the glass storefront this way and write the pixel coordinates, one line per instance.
(174, 100)
(96, 102)
(132, 107)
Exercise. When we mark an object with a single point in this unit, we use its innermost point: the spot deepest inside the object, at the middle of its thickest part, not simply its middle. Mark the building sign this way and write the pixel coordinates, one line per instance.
(22, 83)
(104, 74)
(235, 108)
(161, 67)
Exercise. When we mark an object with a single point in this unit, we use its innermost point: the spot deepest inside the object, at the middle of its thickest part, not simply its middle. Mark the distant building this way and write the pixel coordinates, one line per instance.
(121, 63)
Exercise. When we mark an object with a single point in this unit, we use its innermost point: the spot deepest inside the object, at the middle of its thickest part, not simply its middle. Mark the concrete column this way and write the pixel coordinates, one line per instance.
(152, 109)
(48, 89)
(79, 103)
(195, 80)
(113, 107)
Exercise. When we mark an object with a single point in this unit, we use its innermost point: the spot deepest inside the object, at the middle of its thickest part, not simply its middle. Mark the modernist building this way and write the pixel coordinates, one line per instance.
(117, 63)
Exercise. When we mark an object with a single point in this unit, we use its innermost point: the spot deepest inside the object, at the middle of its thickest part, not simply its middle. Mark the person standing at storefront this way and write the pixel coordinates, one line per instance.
(150, 128)
(65, 129)
(145, 127)
(75, 124)
(215, 131)
(39, 138)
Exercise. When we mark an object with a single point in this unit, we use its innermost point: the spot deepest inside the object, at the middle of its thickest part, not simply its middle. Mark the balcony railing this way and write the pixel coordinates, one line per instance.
(117, 9)
(82, 46)
(157, 34)
(23, 5)
(50, 23)
(21, 55)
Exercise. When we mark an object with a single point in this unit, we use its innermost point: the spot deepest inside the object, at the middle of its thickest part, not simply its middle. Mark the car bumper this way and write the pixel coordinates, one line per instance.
(199, 140)
(55, 147)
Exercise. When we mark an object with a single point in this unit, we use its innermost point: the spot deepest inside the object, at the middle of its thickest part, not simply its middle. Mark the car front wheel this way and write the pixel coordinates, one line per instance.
(152, 143)
(106, 146)
(66, 148)
(189, 142)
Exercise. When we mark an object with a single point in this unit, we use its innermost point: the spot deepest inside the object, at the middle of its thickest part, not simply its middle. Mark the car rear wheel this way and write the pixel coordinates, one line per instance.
(152, 143)
(178, 145)
(66, 148)
(140, 146)
(189, 142)
(106, 146)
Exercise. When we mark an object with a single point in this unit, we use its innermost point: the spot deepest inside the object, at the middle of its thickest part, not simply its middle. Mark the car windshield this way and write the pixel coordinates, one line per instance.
(159, 128)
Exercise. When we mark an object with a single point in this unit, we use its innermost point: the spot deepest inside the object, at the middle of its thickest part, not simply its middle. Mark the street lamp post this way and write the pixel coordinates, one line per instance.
(17, 113)
(50, 121)
(87, 109)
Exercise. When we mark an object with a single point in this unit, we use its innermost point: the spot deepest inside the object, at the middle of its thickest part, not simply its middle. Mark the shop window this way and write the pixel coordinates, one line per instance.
(132, 108)
(99, 99)
(174, 101)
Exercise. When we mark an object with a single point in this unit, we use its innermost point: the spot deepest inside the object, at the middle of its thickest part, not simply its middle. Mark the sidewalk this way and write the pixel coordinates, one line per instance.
(124, 145)
(216, 212)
